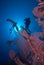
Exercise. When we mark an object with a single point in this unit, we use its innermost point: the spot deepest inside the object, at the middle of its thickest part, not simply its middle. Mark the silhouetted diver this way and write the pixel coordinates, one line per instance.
(13, 23)
(27, 24)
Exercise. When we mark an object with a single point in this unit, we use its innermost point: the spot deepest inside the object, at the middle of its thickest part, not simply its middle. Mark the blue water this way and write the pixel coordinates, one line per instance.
(16, 10)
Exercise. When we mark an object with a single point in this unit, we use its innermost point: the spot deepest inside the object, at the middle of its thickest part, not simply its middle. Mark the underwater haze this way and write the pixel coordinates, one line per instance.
(17, 10)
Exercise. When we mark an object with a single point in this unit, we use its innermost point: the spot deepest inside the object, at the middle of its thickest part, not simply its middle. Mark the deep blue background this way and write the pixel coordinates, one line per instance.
(17, 10)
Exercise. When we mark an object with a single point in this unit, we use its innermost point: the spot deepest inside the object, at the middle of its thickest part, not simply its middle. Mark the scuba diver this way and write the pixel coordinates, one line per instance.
(14, 24)
(27, 24)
